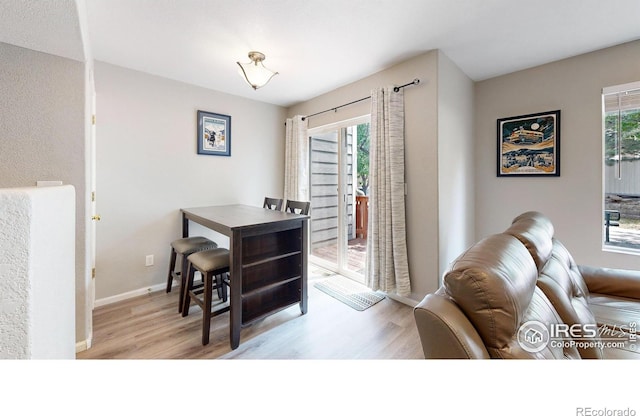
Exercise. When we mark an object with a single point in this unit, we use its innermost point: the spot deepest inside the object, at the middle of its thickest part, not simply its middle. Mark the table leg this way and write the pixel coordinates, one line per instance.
(305, 262)
(185, 226)
(235, 283)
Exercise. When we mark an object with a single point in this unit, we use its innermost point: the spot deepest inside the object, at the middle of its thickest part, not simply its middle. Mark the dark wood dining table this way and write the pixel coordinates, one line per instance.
(268, 259)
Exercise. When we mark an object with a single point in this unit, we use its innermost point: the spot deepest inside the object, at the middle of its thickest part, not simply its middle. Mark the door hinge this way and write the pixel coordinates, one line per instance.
(93, 119)
(93, 273)
(93, 196)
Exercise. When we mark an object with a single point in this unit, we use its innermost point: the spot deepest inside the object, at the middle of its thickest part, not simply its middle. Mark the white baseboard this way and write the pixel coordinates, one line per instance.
(129, 295)
(156, 288)
(83, 345)
(402, 299)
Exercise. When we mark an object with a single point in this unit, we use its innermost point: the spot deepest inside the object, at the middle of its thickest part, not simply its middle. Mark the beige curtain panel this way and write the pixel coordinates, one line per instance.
(387, 266)
(296, 163)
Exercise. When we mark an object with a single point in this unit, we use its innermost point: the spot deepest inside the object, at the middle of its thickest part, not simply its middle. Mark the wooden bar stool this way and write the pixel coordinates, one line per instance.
(184, 247)
(210, 263)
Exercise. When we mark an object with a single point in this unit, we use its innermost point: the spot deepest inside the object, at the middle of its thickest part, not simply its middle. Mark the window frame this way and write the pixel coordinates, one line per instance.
(615, 89)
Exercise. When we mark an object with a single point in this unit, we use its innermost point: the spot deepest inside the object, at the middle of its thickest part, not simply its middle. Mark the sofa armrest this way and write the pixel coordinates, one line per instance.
(615, 282)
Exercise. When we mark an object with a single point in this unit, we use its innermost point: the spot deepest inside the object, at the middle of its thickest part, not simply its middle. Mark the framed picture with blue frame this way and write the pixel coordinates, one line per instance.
(214, 134)
(529, 145)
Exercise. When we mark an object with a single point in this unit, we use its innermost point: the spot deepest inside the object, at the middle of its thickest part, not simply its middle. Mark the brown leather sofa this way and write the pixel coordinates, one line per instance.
(520, 294)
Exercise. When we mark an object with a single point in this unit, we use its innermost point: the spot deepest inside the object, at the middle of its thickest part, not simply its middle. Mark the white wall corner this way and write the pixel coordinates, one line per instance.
(37, 272)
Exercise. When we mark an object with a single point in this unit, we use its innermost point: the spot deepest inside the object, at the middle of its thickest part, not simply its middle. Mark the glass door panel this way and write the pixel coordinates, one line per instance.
(339, 197)
(324, 197)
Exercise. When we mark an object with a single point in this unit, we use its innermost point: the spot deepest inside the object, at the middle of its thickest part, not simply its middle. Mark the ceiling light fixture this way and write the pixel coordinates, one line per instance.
(254, 72)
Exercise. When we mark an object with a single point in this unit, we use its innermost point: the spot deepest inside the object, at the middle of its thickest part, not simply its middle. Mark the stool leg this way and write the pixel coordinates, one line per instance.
(218, 285)
(185, 289)
(206, 311)
(172, 266)
(183, 281)
(222, 287)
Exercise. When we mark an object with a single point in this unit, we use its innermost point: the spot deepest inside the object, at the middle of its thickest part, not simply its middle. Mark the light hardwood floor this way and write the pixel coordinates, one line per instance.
(149, 327)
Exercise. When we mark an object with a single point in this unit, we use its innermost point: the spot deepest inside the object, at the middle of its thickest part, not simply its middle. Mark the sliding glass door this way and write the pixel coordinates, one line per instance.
(339, 196)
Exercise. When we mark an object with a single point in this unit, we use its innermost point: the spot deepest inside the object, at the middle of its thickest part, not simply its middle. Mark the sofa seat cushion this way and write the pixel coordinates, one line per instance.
(617, 319)
(616, 312)
(494, 283)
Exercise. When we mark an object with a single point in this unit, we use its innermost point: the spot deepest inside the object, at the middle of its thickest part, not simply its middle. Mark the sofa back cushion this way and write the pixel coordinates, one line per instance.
(535, 231)
(559, 277)
(562, 283)
(494, 284)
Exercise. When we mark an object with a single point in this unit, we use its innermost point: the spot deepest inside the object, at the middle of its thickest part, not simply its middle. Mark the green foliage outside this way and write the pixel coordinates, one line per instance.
(363, 157)
(630, 127)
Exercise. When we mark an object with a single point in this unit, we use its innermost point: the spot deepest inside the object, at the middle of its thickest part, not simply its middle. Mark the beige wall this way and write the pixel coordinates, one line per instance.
(148, 168)
(421, 150)
(574, 200)
(456, 166)
(42, 137)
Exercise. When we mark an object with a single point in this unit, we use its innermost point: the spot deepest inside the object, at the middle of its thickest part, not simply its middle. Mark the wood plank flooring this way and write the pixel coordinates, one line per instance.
(150, 327)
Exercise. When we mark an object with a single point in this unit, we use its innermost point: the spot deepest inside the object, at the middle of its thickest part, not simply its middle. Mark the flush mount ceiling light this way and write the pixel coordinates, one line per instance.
(254, 72)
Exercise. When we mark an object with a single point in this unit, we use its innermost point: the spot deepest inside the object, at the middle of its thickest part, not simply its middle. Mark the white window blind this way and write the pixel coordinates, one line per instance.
(621, 97)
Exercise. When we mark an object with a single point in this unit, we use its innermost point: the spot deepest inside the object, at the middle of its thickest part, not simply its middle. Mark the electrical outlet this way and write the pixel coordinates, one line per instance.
(149, 260)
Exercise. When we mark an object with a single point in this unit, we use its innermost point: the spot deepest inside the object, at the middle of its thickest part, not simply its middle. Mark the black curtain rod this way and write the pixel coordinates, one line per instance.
(395, 89)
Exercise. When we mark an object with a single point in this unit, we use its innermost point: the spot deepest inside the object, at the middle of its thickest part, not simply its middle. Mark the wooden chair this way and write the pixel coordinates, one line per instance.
(297, 207)
(272, 203)
(210, 263)
(184, 247)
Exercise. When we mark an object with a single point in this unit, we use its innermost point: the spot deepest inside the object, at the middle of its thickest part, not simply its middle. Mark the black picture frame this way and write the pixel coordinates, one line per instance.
(529, 145)
(214, 134)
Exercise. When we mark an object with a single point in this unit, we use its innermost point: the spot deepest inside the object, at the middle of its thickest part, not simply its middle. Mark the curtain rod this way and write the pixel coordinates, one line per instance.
(395, 89)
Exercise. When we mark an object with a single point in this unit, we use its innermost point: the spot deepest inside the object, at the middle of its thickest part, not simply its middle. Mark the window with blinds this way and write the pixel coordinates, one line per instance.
(621, 115)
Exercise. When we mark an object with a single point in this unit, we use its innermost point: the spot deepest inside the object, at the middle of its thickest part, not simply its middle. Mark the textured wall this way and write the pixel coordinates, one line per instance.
(37, 272)
(14, 268)
(42, 135)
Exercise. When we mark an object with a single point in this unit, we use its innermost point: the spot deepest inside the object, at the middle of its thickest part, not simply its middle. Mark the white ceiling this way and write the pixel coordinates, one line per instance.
(315, 45)
(46, 26)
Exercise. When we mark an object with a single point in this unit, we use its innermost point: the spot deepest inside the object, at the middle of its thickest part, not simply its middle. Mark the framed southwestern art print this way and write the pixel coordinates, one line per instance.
(214, 134)
(529, 145)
